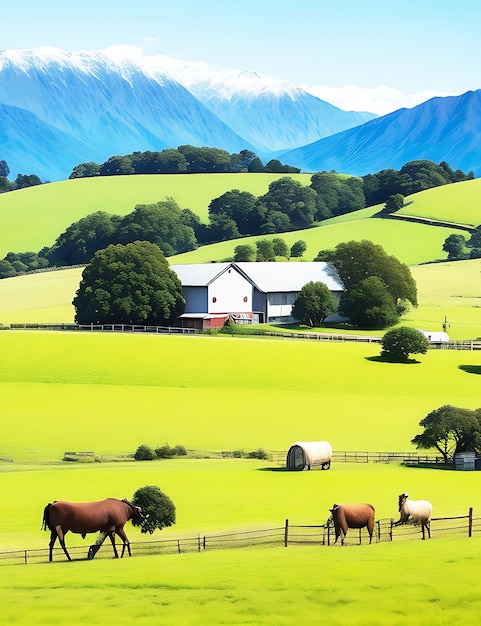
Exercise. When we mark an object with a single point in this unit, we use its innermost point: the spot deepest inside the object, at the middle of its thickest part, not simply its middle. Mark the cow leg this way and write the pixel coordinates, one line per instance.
(53, 539)
(125, 539)
(112, 539)
(61, 538)
(96, 546)
(428, 526)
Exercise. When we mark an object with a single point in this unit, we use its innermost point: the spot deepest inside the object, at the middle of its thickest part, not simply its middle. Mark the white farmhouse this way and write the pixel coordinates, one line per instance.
(248, 292)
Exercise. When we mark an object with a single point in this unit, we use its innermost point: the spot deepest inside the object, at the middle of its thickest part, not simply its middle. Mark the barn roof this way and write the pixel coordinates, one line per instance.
(268, 277)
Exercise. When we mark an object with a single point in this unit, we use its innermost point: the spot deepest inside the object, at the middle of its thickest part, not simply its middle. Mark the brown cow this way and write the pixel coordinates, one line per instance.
(107, 516)
(347, 516)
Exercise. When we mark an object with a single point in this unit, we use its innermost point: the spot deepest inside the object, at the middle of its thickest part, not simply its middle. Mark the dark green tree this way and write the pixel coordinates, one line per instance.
(399, 343)
(78, 243)
(144, 453)
(157, 508)
(280, 247)
(298, 248)
(240, 206)
(289, 196)
(356, 260)
(26, 180)
(449, 429)
(131, 284)
(5, 184)
(244, 253)
(4, 169)
(6, 269)
(117, 166)
(368, 304)
(85, 170)
(313, 304)
(265, 250)
(455, 246)
(222, 228)
(393, 204)
(160, 223)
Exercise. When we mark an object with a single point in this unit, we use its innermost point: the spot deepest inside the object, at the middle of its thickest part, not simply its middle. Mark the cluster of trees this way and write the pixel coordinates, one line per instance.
(378, 288)
(146, 453)
(459, 248)
(158, 510)
(269, 250)
(21, 182)
(182, 160)
(412, 177)
(449, 430)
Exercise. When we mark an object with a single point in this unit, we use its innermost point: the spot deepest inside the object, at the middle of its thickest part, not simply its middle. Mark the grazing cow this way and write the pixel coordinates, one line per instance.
(107, 516)
(416, 511)
(347, 516)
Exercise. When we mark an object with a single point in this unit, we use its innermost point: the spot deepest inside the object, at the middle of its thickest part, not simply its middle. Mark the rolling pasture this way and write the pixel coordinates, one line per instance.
(109, 393)
(49, 209)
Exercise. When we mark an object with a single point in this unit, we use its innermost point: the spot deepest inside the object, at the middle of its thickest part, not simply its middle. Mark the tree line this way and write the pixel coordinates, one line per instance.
(21, 182)
(287, 205)
(459, 247)
(182, 160)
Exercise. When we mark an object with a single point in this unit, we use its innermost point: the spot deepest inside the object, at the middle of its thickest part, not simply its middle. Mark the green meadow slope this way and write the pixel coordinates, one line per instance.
(33, 218)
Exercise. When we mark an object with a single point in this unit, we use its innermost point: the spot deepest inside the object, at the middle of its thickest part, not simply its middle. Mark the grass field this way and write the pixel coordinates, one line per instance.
(432, 583)
(110, 393)
(33, 218)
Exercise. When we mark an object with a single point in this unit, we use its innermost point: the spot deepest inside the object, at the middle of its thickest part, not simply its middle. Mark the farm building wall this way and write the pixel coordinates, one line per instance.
(195, 299)
(230, 292)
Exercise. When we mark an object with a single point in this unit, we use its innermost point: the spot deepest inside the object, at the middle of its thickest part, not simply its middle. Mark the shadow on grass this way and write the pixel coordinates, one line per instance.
(385, 359)
(471, 369)
(273, 469)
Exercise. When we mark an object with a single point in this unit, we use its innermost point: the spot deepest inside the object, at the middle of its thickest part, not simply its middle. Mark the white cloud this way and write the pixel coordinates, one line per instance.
(380, 100)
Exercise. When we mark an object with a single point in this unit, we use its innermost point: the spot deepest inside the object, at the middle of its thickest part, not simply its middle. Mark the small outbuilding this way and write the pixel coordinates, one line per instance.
(434, 336)
(305, 454)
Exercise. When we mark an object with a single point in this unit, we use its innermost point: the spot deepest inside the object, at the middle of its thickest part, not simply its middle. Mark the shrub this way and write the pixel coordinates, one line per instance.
(258, 454)
(399, 342)
(144, 453)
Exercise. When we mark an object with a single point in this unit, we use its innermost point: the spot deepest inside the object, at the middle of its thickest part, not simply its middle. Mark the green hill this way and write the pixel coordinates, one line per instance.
(33, 218)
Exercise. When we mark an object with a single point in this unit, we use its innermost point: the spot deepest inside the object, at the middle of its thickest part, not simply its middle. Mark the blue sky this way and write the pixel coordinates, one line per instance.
(375, 55)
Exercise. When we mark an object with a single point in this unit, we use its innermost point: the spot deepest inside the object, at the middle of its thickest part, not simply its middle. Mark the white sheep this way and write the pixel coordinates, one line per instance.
(416, 511)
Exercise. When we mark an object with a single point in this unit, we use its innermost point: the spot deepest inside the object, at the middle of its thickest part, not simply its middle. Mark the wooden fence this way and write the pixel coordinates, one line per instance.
(139, 328)
(356, 456)
(287, 535)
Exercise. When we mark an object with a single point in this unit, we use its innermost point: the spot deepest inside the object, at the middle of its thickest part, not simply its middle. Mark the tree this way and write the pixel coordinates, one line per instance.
(26, 180)
(455, 246)
(160, 223)
(144, 453)
(400, 342)
(368, 304)
(244, 253)
(313, 304)
(242, 207)
(157, 508)
(298, 248)
(449, 429)
(289, 196)
(131, 284)
(356, 260)
(265, 250)
(222, 228)
(4, 169)
(280, 247)
(85, 170)
(78, 243)
(393, 204)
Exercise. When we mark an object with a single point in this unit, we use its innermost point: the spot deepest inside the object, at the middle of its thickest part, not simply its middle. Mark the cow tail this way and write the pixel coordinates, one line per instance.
(46, 517)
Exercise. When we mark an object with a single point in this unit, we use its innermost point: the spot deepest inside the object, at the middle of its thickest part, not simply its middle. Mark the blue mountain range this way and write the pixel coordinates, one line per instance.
(59, 109)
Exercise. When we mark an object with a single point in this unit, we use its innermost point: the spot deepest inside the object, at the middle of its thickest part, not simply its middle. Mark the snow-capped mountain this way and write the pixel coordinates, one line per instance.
(63, 108)
(273, 115)
(441, 129)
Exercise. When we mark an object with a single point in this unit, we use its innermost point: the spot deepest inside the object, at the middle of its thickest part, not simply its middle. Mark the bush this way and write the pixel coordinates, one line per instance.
(258, 454)
(144, 453)
(157, 508)
(399, 342)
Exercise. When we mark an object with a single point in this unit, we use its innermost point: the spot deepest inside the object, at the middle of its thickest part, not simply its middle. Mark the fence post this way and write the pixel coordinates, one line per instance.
(204, 542)
(470, 522)
(286, 533)
(178, 545)
(25, 557)
(378, 531)
(198, 543)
